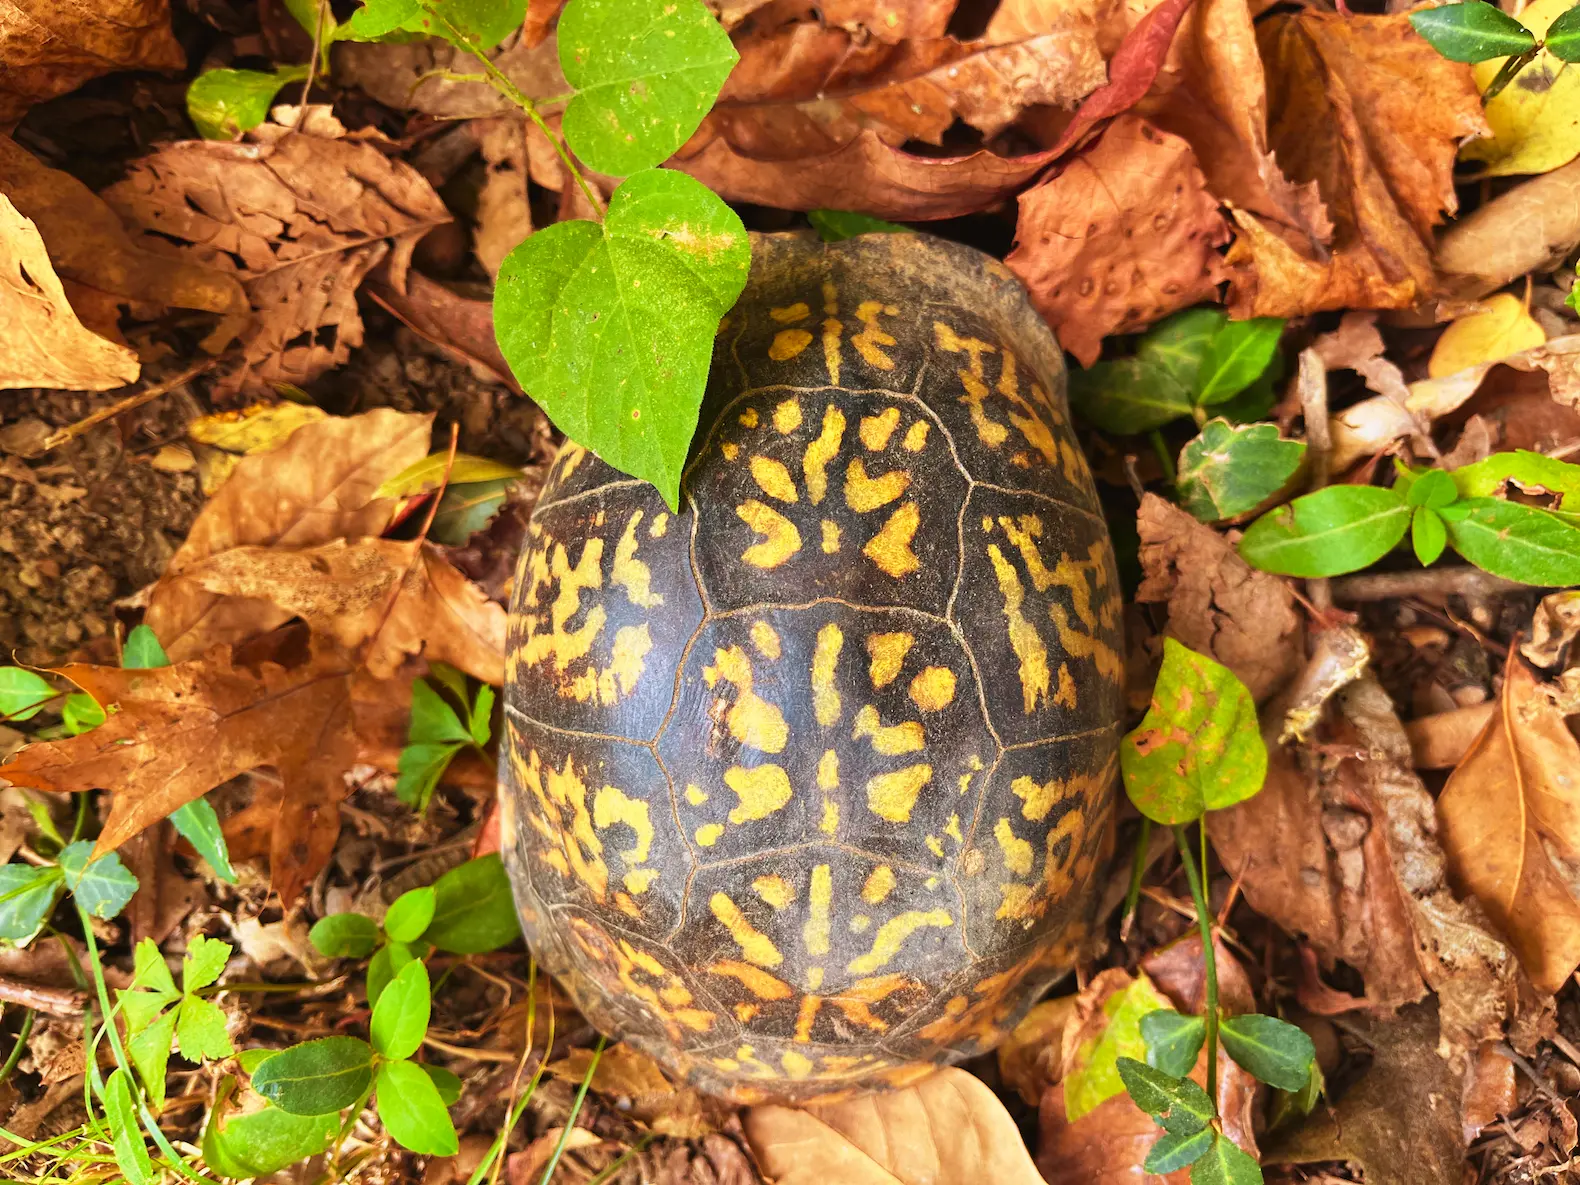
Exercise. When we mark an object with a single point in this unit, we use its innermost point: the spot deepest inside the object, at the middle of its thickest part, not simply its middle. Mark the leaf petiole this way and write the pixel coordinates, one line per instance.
(1506, 73)
(1208, 959)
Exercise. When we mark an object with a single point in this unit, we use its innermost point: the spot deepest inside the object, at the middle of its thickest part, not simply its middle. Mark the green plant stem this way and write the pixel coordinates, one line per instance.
(346, 1124)
(1161, 448)
(81, 820)
(23, 1034)
(625, 1157)
(1506, 73)
(570, 1120)
(1208, 960)
(1138, 865)
(514, 93)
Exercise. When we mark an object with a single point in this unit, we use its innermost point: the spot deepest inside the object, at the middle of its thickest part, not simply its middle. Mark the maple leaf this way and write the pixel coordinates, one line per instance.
(1121, 235)
(173, 733)
(48, 48)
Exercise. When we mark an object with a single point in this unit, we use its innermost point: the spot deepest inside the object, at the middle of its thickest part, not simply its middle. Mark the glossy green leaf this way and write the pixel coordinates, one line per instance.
(379, 18)
(1179, 344)
(344, 936)
(255, 1143)
(1182, 1107)
(410, 913)
(426, 474)
(610, 328)
(1532, 472)
(1175, 1152)
(126, 1133)
(447, 1084)
(224, 103)
(1518, 542)
(387, 961)
(27, 895)
(1224, 1163)
(1428, 535)
(467, 509)
(400, 1018)
(474, 911)
(316, 1077)
(1563, 36)
(1433, 489)
(1238, 355)
(199, 826)
(481, 723)
(1128, 396)
(412, 1112)
(645, 73)
(418, 770)
(1271, 1050)
(1256, 401)
(1091, 1076)
(22, 693)
(1229, 470)
(470, 24)
(200, 1030)
(1199, 747)
(1472, 31)
(102, 886)
(1173, 1040)
(433, 720)
(149, 1051)
(1335, 530)
(80, 713)
(835, 226)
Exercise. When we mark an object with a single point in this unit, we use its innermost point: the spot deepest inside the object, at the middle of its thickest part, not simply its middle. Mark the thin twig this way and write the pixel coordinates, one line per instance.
(1312, 386)
(71, 432)
(1433, 584)
(67, 1003)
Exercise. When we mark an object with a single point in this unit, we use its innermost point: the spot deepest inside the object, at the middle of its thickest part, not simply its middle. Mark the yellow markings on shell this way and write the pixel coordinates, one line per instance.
(989, 431)
(790, 314)
(766, 639)
(730, 449)
(933, 689)
(935, 846)
(1017, 851)
(708, 834)
(806, 1017)
(787, 416)
(797, 1065)
(814, 978)
(873, 336)
(788, 344)
(825, 696)
(891, 937)
(820, 897)
(575, 849)
(660, 525)
(745, 1012)
(630, 573)
(829, 824)
(754, 979)
(627, 660)
(774, 889)
(952, 829)
(748, 418)
(773, 479)
(762, 791)
(1038, 798)
(876, 430)
(878, 885)
(752, 720)
(780, 539)
(892, 795)
(859, 923)
(890, 740)
(863, 493)
(830, 537)
(890, 548)
(560, 644)
(814, 462)
(640, 880)
(828, 770)
(1024, 639)
(756, 947)
(916, 437)
(1067, 696)
(612, 806)
(1070, 575)
(832, 328)
(886, 653)
(696, 795)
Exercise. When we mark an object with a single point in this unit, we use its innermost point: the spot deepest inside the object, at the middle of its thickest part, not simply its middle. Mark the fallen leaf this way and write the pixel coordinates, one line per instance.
(626, 1074)
(1368, 111)
(173, 733)
(892, 1138)
(1528, 228)
(504, 215)
(1441, 740)
(299, 220)
(463, 328)
(1030, 1060)
(1511, 822)
(42, 343)
(1501, 326)
(1554, 628)
(438, 79)
(396, 598)
(526, 1167)
(1218, 604)
(1535, 119)
(1119, 236)
(316, 487)
(1491, 1090)
(1357, 345)
(48, 49)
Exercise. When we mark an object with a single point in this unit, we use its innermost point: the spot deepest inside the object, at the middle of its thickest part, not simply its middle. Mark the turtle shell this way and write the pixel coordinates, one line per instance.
(809, 782)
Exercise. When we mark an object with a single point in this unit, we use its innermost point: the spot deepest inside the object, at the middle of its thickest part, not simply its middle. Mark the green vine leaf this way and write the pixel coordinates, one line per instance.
(1518, 542)
(1181, 1106)
(102, 886)
(1128, 396)
(1271, 1050)
(1335, 530)
(413, 1111)
(835, 226)
(1532, 472)
(1473, 31)
(645, 73)
(255, 1143)
(317, 1077)
(1428, 535)
(410, 913)
(1175, 1152)
(610, 328)
(1563, 37)
(27, 895)
(474, 25)
(1092, 1076)
(224, 103)
(1180, 344)
(474, 911)
(344, 936)
(400, 1018)
(1225, 1163)
(1231, 469)
(1240, 352)
(1198, 748)
(1173, 1040)
(22, 693)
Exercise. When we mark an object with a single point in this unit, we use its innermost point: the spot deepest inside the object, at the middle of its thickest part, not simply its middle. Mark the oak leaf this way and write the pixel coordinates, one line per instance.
(316, 487)
(173, 733)
(397, 598)
(299, 220)
(1511, 827)
(42, 342)
(947, 1129)
(1121, 235)
(48, 48)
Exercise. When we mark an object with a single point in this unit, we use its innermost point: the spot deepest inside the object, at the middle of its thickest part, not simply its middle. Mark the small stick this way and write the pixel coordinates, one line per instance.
(1311, 384)
(71, 432)
(67, 1003)
(1431, 584)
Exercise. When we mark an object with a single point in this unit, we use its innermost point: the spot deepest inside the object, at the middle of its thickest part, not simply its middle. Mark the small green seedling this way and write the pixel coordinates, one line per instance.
(161, 1018)
(1231, 469)
(835, 226)
(1475, 31)
(437, 732)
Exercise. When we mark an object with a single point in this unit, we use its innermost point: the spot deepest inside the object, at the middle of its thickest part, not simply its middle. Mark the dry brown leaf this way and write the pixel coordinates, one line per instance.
(628, 1075)
(42, 343)
(1373, 115)
(1218, 604)
(439, 80)
(316, 487)
(48, 48)
(894, 21)
(396, 598)
(1120, 236)
(1357, 345)
(504, 216)
(1528, 228)
(526, 1167)
(174, 733)
(947, 1129)
(300, 220)
(1511, 827)
(463, 328)
(1491, 1090)
(1441, 740)
(1554, 628)
(1029, 1061)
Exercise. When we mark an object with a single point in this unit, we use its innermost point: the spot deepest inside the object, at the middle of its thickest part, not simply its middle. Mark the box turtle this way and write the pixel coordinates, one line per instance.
(809, 782)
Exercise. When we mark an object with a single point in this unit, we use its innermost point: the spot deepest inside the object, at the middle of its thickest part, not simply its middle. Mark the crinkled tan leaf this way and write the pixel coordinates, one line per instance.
(42, 343)
(48, 48)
